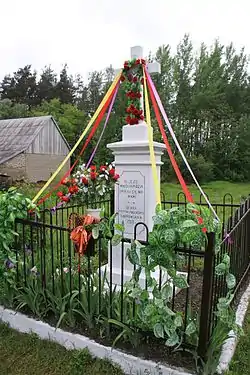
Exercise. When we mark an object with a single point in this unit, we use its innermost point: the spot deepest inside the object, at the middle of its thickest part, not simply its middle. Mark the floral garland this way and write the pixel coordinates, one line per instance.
(132, 77)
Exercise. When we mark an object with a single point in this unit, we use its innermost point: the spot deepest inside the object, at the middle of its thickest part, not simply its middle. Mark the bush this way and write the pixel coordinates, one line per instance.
(202, 169)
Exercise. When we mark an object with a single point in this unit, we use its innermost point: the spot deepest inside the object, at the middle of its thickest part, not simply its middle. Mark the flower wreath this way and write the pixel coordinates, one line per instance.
(132, 77)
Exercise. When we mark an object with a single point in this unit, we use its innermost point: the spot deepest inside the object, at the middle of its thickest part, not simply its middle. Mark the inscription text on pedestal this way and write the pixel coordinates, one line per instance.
(131, 201)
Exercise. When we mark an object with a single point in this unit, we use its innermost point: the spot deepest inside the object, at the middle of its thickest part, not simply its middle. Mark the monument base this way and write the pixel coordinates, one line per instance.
(119, 279)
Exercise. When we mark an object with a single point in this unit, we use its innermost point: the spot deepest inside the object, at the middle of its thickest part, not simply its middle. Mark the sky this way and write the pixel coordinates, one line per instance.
(90, 35)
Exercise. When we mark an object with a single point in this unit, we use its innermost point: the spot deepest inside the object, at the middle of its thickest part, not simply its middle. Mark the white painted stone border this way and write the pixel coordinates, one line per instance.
(130, 365)
(230, 344)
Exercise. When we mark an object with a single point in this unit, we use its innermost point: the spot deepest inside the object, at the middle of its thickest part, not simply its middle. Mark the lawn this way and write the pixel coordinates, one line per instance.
(215, 191)
(25, 354)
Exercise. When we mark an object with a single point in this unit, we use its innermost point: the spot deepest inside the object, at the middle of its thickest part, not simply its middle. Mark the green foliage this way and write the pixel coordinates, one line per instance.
(174, 227)
(12, 205)
(70, 119)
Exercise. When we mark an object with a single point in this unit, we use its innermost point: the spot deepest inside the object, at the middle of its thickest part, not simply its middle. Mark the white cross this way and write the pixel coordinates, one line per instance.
(153, 67)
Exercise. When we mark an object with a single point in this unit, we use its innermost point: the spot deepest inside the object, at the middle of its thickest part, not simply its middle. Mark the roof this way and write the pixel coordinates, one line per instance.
(16, 135)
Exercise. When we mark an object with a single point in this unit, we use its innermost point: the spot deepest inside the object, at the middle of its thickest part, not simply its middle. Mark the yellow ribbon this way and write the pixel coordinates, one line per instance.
(151, 144)
(80, 139)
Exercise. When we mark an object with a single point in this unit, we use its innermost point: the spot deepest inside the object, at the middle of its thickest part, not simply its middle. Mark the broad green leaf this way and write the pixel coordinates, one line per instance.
(188, 224)
(136, 274)
(95, 232)
(172, 340)
(166, 292)
(178, 321)
(158, 208)
(116, 239)
(169, 311)
(156, 293)
(159, 330)
(180, 281)
(170, 236)
(226, 260)
(231, 281)
(132, 255)
(119, 227)
(191, 328)
(220, 269)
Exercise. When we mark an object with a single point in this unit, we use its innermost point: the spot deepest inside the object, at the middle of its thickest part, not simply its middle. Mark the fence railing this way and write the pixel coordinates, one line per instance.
(45, 253)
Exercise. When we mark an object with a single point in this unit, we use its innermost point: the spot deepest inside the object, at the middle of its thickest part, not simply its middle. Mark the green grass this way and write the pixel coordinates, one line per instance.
(240, 364)
(25, 354)
(215, 191)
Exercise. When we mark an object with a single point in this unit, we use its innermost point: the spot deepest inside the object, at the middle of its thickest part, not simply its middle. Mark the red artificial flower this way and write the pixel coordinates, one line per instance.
(64, 181)
(93, 175)
(204, 230)
(112, 172)
(200, 220)
(196, 212)
(122, 79)
(73, 189)
(85, 181)
(73, 181)
(141, 117)
(103, 168)
(138, 61)
(143, 62)
(65, 199)
(135, 79)
(92, 168)
(128, 119)
(116, 177)
(126, 65)
(60, 194)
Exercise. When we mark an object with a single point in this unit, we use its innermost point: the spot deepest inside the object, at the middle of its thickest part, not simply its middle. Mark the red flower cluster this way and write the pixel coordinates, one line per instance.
(132, 73)
(114, 175)
(72, 189)
(133, 95)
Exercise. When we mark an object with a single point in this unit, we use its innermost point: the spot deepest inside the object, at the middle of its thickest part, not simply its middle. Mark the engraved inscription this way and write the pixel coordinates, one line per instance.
(131, 200)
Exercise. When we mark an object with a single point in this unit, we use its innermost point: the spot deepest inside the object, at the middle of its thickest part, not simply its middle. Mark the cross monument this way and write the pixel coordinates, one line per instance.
(136, 52)
(135, 200)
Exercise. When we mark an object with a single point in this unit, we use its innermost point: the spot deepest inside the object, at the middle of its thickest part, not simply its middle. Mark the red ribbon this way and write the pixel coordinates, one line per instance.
(168, 147)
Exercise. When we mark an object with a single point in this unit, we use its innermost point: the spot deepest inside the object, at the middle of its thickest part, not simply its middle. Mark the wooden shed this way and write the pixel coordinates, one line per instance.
(31, 148)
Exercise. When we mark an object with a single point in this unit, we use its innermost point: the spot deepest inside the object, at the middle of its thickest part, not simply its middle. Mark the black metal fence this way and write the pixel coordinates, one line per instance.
(91, 287)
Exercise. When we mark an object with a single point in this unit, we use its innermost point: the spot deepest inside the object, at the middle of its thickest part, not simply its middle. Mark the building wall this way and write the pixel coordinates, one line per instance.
(39, 167)
(48, 141)
(16, 167)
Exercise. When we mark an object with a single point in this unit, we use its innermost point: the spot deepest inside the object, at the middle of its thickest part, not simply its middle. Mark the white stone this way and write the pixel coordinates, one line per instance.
(135, 199)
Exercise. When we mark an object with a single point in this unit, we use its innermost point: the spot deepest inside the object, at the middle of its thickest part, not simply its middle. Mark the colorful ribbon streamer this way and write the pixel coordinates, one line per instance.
(99, 109)
(151, 144)
(168, 147)
(104, 126)
(93, 130)
(164, 115)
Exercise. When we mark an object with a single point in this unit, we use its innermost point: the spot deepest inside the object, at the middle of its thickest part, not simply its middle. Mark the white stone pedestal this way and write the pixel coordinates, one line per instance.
(135, 198)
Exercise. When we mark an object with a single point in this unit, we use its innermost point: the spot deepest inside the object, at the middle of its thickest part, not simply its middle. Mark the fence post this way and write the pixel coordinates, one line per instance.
(112, 203)
(206, 302)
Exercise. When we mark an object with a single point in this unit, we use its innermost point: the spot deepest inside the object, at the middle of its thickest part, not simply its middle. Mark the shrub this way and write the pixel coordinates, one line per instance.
(202, 169)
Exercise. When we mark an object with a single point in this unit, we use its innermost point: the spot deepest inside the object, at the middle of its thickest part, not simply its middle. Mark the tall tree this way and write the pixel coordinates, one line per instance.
(65, 89)
(46, 87)
(21, 87)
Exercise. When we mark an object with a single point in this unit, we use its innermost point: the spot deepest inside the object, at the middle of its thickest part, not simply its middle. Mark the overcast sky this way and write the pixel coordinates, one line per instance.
(92, 34)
